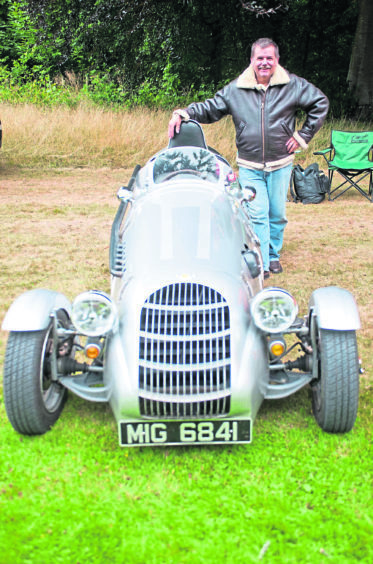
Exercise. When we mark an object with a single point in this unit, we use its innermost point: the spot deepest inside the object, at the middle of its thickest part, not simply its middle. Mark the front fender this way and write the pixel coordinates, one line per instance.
(335, 309)
(31, 311)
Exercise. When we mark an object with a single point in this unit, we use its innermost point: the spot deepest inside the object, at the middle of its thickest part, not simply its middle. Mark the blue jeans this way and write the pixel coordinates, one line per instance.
(268, 209)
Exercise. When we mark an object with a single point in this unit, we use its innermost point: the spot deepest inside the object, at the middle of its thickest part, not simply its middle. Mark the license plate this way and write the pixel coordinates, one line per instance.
(158, 433)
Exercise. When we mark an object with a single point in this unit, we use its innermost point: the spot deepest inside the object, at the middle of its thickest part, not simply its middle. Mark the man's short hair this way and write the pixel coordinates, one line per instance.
(264, 42)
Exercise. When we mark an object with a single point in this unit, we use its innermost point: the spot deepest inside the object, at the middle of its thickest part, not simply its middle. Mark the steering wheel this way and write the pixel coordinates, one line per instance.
(182, 171)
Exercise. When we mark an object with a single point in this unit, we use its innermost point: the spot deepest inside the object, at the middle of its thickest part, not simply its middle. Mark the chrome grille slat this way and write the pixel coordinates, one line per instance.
(184, 353)
(220, 395)
(202, 366)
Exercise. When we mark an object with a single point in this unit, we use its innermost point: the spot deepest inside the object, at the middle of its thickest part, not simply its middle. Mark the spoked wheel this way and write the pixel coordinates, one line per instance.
(33, 401)
(335, 394)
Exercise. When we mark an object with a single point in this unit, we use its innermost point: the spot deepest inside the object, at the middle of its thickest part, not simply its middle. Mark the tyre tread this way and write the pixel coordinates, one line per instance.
(339, 381)
(23, 402)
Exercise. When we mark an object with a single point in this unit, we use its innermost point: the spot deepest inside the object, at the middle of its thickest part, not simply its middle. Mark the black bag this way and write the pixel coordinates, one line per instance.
(309, 185)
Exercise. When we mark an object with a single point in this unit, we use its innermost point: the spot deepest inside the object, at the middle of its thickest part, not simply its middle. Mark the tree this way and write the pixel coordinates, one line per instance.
(262, 10)
(192, 49)
(360, 74)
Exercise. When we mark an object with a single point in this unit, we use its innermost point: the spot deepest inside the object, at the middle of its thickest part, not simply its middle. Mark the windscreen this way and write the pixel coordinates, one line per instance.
(186, 161)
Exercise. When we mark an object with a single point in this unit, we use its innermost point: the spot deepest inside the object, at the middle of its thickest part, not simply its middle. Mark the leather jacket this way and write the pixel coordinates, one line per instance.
(265, 118)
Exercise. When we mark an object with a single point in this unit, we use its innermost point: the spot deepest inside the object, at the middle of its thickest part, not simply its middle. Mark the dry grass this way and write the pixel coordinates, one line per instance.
(63, 137)
(56, 218)
(82, 137)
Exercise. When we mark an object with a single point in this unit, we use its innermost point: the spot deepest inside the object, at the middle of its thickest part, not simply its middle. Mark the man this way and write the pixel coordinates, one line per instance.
(263, 102)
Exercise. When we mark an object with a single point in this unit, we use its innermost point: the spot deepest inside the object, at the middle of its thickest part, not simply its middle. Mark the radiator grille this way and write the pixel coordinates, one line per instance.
(184, 353)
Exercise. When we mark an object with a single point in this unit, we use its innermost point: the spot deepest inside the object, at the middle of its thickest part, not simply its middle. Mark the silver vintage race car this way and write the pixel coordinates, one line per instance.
(189, 343)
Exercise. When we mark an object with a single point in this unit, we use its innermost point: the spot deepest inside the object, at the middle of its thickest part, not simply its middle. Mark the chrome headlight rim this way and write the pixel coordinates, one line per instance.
(274, 310)
(94, 314)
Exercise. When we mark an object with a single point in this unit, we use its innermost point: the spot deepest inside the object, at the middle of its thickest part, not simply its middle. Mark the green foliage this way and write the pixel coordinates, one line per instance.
(95, 88)
(166, 92)
(100, 89)
(25, 56)
(320, 49)
(148, 54)
(41, 91)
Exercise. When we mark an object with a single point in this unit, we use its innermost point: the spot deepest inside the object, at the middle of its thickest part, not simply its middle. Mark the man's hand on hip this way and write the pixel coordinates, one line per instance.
(292, 145)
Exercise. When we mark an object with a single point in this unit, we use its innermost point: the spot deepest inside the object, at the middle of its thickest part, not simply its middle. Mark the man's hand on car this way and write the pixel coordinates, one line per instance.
(174, 125)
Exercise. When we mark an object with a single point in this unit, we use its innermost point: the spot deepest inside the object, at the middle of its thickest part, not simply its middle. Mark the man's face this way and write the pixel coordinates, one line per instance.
(264, 63)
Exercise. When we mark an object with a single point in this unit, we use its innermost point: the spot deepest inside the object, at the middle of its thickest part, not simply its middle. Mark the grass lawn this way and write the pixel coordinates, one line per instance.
(295, 495)
(74, 496)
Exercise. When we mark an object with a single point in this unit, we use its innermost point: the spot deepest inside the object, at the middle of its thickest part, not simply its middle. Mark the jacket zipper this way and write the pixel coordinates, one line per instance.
(262, 118)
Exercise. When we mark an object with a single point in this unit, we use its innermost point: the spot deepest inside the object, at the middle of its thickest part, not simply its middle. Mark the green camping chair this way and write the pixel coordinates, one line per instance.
(351, 155)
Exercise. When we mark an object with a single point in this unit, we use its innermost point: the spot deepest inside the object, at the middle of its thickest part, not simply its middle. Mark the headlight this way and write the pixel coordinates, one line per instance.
(273, 310)
(93, 313)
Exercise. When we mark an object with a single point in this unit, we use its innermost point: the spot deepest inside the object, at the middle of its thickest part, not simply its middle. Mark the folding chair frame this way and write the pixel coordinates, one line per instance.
(349, 176)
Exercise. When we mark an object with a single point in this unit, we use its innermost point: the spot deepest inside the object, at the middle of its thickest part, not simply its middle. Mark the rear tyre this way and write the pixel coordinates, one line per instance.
(335, 394)
(33, 401)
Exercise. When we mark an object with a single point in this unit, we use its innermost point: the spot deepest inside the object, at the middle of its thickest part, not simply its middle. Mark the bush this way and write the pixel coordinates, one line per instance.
(19, 85)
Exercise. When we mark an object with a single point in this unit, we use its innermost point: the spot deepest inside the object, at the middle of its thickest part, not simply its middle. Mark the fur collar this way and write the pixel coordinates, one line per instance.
(248, 80)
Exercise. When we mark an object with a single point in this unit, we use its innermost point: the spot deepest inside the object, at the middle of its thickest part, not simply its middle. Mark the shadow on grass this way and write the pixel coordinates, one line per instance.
(95, 423)
(292, 404)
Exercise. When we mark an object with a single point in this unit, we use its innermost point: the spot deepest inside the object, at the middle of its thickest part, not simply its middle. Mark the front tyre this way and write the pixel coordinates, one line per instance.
(33, 401)
(335, 394)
